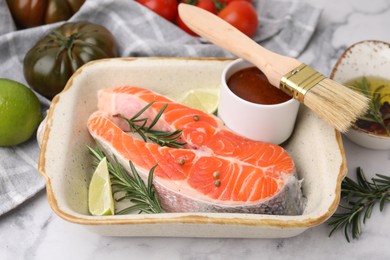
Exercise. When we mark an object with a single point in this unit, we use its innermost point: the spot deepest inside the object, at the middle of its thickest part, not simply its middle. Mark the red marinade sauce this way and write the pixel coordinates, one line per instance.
(252, 85)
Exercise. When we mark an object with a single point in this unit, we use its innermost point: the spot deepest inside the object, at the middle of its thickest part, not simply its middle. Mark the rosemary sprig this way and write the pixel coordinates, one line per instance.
(130, 185)
(359, 199)
(162, 138)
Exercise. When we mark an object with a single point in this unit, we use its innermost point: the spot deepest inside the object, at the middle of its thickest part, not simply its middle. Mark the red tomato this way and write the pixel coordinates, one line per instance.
(242, 15)
(204, 4)
(164, 8)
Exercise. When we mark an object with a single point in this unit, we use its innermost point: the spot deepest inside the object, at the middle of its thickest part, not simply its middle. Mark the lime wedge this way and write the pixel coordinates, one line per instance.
(100, 199)
(202, 99)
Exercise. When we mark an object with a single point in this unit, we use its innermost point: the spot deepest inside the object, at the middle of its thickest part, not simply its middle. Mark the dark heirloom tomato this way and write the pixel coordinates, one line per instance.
(54, 58)
(30, 13)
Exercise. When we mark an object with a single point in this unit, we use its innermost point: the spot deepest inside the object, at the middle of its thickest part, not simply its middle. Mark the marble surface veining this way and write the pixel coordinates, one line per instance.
(34, 231)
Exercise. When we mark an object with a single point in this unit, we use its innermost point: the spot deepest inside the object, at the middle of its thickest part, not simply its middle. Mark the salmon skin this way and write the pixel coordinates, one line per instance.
(216, 171)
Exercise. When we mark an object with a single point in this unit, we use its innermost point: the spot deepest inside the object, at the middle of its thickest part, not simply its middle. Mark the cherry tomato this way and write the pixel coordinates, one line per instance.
(242, 15)
(164, 8)
(204, 4)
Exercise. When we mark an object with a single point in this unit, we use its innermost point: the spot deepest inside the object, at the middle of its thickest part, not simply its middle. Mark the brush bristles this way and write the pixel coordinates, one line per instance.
(338, 105)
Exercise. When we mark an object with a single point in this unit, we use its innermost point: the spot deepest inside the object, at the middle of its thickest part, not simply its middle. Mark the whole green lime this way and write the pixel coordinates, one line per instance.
(20, 112)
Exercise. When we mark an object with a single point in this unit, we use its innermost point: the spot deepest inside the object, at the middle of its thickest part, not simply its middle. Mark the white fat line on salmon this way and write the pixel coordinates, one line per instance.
(205, 151)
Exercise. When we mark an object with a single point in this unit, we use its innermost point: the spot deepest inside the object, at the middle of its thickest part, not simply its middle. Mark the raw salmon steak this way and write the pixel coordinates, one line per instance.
(216, 171)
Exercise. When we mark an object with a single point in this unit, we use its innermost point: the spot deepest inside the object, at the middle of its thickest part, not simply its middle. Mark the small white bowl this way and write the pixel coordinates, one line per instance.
(365, 58)
(269, 123)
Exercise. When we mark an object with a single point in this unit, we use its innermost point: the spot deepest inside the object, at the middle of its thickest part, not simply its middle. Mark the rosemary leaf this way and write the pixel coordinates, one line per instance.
(142, 110)
(346, 232)
(162, 138)
(356, 230)
(382, 202)
(384, 178)
(362, 181)
(368, 213)
(358, 200)
(159, 114)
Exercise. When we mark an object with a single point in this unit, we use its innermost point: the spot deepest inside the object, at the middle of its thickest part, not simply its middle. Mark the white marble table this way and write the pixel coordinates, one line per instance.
(34, 231)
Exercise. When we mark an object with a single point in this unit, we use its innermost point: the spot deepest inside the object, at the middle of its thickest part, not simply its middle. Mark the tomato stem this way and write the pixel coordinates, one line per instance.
(66, 42)
(192, 2)
(219, 5)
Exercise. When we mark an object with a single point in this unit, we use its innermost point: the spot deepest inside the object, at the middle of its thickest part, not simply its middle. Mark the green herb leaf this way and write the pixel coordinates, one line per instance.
(162, 138)
(359, 199)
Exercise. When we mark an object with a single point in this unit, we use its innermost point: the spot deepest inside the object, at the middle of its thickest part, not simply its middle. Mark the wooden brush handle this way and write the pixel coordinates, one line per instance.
(221, 33)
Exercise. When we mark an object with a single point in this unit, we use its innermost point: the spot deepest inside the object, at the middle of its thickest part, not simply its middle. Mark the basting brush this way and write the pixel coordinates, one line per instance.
(338, 105)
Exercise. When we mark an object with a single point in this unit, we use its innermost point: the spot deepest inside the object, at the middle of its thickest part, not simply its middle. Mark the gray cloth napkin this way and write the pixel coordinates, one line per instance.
(286, 27)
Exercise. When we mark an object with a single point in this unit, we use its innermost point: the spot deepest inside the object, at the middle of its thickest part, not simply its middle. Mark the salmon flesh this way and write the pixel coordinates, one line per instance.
(216, 171)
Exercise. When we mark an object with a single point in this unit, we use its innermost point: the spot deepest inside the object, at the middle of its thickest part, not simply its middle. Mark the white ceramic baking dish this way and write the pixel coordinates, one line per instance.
(67, 166)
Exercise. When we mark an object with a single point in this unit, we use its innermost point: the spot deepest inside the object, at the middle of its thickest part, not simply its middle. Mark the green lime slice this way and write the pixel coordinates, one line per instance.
(100, 199)
(202, 99)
